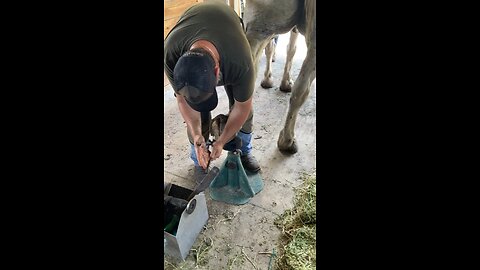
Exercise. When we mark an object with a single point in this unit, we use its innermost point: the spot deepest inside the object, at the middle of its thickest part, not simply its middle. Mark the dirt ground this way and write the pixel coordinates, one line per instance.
(234, 235)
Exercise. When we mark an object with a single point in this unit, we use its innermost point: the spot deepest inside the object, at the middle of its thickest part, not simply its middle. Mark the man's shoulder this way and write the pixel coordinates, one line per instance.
(238, 73)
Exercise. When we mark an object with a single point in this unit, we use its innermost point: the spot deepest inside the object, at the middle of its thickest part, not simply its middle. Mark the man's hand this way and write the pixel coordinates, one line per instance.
(203, 156)
(217, 148)
(236, 118)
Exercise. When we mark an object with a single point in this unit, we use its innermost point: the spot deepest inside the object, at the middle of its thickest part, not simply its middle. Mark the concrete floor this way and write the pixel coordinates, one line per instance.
(235, 231)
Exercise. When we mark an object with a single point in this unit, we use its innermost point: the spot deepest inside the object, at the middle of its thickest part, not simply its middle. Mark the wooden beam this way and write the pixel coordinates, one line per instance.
(177, 9)
(172, 10)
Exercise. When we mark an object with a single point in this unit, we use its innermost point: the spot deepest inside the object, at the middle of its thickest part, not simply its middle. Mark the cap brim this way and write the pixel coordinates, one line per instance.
(206, 106)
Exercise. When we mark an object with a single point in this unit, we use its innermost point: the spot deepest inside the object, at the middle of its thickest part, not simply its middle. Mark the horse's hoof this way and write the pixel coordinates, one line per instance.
(288, 149)
(267, 83)
(287, 88)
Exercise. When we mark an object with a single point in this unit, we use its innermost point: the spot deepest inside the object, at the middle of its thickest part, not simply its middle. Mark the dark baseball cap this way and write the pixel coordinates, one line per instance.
(194, 78)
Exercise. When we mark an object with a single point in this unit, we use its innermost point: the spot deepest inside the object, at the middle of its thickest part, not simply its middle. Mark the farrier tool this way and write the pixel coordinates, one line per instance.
(234, 185)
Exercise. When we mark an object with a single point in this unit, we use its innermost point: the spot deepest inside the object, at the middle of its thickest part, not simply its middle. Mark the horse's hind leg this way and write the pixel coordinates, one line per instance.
(286, 85)
(267, 81)
(275, 41)
(301, 88)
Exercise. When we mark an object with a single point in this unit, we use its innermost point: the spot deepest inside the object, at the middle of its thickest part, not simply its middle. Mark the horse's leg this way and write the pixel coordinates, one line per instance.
(267, 81)
(264, 19)
(301, 88)
(275, 41)
(286, 85)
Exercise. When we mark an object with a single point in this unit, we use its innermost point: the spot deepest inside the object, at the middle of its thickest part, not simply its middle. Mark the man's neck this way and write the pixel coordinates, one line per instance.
(210, 48)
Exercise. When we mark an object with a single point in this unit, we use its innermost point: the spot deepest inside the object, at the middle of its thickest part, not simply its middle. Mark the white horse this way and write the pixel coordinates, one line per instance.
(264, 19)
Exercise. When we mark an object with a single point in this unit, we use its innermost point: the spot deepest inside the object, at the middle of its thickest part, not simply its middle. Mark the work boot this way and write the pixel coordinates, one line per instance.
(250, 163)
(198, 174)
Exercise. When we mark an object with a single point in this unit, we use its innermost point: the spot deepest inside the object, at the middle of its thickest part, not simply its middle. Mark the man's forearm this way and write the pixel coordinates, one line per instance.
(191, 117)
(236, 119)
(194, 124)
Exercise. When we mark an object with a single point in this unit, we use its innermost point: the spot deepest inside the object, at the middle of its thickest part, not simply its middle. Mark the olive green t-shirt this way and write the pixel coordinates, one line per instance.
(219, 24)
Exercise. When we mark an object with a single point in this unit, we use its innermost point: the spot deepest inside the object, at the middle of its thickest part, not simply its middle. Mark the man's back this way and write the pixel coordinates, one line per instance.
(219, 24)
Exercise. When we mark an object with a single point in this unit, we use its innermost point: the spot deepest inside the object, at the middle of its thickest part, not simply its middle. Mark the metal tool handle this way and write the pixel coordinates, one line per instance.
(205, 182)
(166, 188)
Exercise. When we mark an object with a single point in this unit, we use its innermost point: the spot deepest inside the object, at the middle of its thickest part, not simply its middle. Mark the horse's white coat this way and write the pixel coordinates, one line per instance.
(265, 18)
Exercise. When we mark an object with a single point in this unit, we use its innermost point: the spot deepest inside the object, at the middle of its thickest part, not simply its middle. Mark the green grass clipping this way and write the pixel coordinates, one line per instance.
(298, 225)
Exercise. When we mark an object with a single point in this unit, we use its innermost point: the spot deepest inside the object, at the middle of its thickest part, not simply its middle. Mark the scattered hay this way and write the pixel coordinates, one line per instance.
(233, 263)
(167, 265)
(298, 250)
(199, 253)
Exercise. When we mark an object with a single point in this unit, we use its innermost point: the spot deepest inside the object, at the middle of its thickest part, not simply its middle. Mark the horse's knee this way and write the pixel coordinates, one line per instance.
(299, 96)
